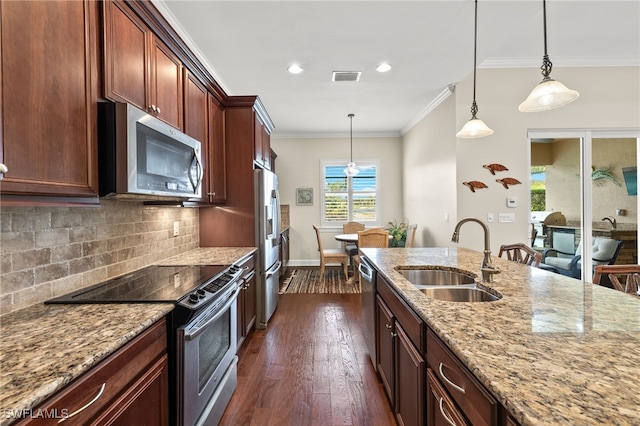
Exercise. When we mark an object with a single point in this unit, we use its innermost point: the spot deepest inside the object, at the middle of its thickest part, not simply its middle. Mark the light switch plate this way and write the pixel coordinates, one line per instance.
(176, 228)
(490, 217)
(506, 217)
(512, 202)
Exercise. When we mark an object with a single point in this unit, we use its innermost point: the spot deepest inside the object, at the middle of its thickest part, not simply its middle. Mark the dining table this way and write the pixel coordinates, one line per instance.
(351, 239)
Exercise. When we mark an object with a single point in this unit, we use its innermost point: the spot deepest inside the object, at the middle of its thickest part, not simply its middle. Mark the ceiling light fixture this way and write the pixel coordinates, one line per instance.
(295, 69)
(548, 94)
(351, 170)
(474, 128)
(383, 67)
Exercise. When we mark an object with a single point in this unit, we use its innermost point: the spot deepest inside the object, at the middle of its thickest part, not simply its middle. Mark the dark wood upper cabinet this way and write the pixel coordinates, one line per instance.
(196, 123)
(49, 77)
(217, 160)
(138, 67)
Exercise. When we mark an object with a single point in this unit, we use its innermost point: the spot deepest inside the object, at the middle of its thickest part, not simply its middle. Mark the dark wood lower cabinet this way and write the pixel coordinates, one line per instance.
(247, 311)
(410, 383)
(441, 410)
(130, 387)
(401, 365)
(385, 348)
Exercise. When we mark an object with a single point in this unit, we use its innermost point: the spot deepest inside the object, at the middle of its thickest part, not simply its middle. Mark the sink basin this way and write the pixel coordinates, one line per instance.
(459, 294)
(437, 277)
(449, 285)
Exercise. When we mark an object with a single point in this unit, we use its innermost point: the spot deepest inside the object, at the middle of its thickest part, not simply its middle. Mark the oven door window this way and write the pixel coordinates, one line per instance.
(213, 345)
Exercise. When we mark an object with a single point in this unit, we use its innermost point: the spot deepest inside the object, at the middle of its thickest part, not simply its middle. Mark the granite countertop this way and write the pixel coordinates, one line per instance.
(553, 350)
(44, 347)
(209, 256)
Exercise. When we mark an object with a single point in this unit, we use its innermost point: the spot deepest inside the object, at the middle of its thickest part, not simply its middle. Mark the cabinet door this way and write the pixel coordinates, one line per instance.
(258, 135)
(216, 163)
(385, 340)
(49, 93)
(441, 410)
(250, 289)
(266, 148)
(166, 84)
(410, 381)
(125, 55)
(196, 123)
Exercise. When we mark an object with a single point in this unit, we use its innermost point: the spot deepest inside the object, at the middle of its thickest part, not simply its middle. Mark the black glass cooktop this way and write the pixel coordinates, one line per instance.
(152, 284)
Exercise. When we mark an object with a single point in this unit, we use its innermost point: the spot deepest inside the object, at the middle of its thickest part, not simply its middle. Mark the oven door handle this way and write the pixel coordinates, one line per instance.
(219, 311)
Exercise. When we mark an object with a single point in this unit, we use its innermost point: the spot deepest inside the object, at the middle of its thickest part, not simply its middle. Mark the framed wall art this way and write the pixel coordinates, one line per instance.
(304, 196)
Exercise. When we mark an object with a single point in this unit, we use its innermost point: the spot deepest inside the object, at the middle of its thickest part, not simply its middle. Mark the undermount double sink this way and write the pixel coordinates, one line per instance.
(449, 285)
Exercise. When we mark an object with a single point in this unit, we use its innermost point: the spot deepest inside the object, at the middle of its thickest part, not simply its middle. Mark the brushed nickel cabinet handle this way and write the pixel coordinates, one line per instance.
(451, 422)
(456, 387)
(158, 110)
(87, 405)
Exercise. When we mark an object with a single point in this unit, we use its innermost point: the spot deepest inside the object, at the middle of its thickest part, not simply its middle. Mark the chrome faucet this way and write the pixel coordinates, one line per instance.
(487, 268)
(612, 221)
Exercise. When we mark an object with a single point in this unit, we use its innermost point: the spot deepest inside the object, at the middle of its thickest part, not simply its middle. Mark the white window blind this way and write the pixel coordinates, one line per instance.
(348, 199)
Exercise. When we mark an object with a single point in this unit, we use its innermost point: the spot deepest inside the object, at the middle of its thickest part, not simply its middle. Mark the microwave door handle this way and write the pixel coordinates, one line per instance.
(198, 180)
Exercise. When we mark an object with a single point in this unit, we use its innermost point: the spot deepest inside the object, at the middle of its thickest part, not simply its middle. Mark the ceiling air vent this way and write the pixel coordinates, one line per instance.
(346, 76)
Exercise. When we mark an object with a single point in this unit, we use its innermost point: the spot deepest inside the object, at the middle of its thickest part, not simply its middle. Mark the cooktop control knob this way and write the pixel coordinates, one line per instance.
(201, 293)
(193, 298)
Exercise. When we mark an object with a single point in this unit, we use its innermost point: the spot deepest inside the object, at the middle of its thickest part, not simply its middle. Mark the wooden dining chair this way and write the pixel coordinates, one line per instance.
(521, 253)
(624, 278)
(374, 237)
(331, 256)
(411, 235)
(352, 228)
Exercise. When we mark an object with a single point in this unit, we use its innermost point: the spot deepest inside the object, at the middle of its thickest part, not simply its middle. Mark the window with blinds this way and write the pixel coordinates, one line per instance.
(346, 199)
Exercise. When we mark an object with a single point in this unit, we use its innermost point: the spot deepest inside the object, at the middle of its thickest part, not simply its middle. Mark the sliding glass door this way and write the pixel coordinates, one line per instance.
(588, 179)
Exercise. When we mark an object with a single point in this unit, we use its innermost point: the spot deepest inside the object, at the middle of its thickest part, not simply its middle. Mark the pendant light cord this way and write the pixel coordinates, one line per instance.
(474, 106)
(351, 137)
(546, 63)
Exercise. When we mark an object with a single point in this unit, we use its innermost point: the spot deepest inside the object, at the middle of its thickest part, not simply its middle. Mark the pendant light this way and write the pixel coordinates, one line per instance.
(548, 94)
(351, 170)
(474, 128)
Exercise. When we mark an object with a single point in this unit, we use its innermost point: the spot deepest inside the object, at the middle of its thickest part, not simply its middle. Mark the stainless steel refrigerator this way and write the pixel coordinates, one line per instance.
(267, 228)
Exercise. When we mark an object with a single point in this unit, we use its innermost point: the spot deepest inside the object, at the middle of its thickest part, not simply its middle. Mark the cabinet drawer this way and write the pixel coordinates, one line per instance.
(99, 388)
(440, 407)
(413, 326)
(479, 407)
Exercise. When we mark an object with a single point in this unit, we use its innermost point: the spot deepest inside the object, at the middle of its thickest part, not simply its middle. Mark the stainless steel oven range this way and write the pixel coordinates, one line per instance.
(202, 331)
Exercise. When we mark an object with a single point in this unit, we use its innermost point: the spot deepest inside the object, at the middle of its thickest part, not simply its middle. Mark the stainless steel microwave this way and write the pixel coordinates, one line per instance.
(140, 155)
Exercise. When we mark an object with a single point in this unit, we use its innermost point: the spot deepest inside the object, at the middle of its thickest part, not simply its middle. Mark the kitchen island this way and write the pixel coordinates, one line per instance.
(553, 350)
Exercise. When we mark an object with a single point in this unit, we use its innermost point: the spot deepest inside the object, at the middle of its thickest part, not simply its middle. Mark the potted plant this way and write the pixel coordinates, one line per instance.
(398, 232)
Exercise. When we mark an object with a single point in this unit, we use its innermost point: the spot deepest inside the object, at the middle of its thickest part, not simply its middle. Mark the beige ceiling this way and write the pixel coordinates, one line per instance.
(247, 46)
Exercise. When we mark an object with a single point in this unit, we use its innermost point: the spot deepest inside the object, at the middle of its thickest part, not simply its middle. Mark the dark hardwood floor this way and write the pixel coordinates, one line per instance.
(309, 367)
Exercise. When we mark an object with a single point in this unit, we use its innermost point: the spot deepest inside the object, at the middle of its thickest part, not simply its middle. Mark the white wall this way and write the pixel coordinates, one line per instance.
(429, 158)
(609, 98)
(298, 165)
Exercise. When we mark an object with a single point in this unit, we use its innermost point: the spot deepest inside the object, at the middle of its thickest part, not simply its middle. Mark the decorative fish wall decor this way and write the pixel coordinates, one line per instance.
(494, 167)
(474, 184)
(508, 181)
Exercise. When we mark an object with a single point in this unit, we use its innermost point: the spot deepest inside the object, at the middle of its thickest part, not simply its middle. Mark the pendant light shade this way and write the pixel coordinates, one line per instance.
(351, 170)
(548, 94)
(474, 128)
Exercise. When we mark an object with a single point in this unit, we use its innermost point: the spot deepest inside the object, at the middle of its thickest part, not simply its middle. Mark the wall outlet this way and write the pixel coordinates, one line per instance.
(176, 228)
(490, 217)
(506, 217)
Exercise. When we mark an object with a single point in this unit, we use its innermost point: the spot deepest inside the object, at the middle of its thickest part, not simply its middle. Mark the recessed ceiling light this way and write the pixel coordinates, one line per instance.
(295, 69)
(383, 67)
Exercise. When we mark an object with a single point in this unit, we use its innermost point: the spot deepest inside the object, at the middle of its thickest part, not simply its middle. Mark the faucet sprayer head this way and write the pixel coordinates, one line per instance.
(454, 237)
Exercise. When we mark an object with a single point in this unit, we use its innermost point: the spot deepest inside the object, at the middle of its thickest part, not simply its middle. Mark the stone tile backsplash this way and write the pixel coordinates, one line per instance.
(49, 251)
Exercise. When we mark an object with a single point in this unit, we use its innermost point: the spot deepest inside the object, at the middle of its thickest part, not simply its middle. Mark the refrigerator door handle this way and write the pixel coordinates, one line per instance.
(275, 196)
(274, 270)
